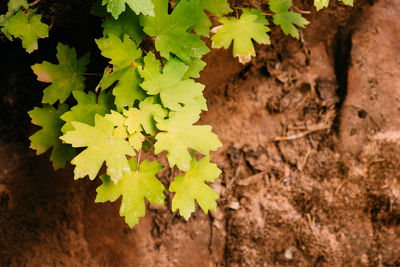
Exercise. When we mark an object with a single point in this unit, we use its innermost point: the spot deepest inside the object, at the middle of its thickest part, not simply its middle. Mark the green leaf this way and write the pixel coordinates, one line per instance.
(285, 18)
(172, 31)
(4, 23)
(180, 134)
(116, 7)
(127, 23)
(151, 67)
(191, 186)
(118, 120)
(123, 55)
(137, 140)
(102, 145)
(134, 187)
(216, 7)
(28, 27)
(15, 5)
(65, 77)
(173, 89)
(143, 118)
(195, 67)
(86, 109)
(49, 119)
(250, 26)
(320, 4)
(348, 2)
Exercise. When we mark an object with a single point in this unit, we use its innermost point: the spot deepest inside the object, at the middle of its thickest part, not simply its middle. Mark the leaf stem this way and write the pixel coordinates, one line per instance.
(268, 14)
(138, 159)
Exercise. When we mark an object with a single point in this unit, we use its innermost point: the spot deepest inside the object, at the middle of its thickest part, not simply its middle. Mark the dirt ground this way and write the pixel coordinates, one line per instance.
(311, 158)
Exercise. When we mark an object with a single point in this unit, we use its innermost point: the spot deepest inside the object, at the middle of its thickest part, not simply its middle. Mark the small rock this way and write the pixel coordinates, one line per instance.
(289, 252)
(234, 205)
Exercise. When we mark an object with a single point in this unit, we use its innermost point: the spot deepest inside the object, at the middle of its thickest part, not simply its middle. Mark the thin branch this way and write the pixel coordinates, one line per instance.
(301, 11)
(34, 3)
(51, 23)
(302, 134)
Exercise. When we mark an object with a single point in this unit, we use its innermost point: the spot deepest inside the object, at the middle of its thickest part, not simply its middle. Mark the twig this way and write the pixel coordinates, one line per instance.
(311, 221)
(340, 187)
(229, 184)
(305, 160)
(302, 134)
(51, 23)
(301, 11)
(34, 3)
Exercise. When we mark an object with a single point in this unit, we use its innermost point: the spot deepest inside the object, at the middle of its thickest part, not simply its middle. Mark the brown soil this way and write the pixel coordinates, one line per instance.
(311, 165)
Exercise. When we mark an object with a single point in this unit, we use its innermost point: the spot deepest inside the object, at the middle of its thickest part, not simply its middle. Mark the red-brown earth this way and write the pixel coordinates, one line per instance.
(311, 163)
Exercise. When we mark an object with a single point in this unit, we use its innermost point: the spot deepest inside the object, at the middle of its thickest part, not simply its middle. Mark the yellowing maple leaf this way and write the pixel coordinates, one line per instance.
(174, 90)
(179, 134)
(191, 186)
(134, 187)
(102, 145)
(65, 77)
(49, 136)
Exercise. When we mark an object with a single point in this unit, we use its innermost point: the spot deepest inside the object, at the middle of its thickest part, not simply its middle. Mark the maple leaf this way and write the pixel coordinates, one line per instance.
(4, 22)
(65, 77)
(216, 7)
(116, 7)
(285, 18)
(320, 4)
(347, 2)
(250, 25)
(28, 27)
(15, 5)
(88, 106)
(118, 120)
(123, 54)
(173, 89)
(172, 31)
(127, 23)
(102, 146)
(134, 187)
(180, 134)
(151, 67)
(49, 119)
(191, 186)
(143, 118)
(194, 69)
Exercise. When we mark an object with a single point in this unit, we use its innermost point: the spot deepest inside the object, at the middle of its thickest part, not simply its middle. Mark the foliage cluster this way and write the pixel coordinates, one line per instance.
(147, 100)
